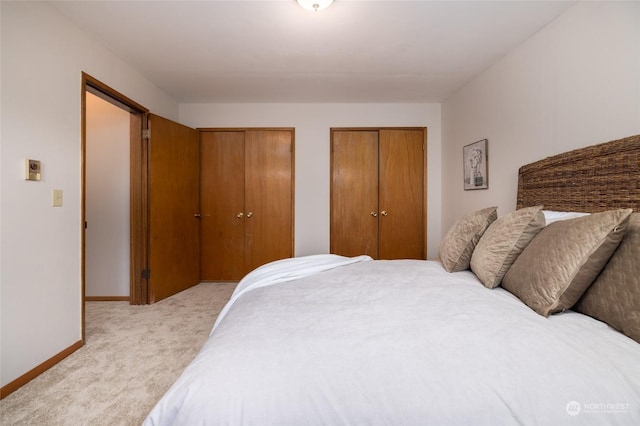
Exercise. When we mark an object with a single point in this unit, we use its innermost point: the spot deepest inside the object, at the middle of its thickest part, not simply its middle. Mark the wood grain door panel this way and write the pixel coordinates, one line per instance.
(401, 194)
(268, 196)
(174, 231)
(222, 201)
(354, 193)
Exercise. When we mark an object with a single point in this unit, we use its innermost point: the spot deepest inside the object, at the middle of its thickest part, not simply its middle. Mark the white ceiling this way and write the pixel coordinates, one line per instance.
(275, 51)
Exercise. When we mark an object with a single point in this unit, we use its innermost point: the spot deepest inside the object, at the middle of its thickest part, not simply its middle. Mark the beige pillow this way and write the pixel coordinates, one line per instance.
(615, 295)
(458, 244)
(562, 261)
(503, 241)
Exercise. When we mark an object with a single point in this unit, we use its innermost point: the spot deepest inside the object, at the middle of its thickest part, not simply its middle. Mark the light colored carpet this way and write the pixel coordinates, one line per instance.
(131, 357)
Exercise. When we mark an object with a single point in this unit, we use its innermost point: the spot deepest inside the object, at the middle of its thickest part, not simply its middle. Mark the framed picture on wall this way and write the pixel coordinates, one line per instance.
(475, 165)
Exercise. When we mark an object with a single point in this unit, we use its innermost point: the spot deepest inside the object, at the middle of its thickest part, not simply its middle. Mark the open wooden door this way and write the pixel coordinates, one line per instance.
(174, 207)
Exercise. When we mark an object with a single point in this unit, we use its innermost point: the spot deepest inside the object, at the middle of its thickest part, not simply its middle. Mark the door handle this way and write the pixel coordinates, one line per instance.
(239, 215)
(249, 214)
(383, 213)
(374, 214)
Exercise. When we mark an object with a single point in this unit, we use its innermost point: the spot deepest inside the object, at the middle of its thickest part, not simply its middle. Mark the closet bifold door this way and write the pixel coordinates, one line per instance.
(268, 200)
(401, 194)
(354, 193)
(246, 200)
(378, 193)
(222, 205)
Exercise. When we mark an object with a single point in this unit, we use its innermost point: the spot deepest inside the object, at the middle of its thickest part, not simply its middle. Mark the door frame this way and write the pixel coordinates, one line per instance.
(138, 187)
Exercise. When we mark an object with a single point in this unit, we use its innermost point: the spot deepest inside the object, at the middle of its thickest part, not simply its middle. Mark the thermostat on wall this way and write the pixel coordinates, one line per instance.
(32, 169)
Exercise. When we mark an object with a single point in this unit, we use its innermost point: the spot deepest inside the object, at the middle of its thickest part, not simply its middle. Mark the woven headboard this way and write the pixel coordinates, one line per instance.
(592, 179)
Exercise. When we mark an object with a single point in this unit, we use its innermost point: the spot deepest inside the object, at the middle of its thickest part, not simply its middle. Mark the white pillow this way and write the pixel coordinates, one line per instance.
(551, 216)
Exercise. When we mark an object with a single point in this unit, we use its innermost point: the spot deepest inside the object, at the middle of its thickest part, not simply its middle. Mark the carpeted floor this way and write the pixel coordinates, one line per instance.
(131, 357)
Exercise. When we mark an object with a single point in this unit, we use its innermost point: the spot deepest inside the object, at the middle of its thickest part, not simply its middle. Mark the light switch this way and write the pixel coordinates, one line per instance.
(56, 198)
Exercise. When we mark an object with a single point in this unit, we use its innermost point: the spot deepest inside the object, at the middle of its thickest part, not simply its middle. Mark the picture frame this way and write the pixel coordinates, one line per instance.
(475, 165)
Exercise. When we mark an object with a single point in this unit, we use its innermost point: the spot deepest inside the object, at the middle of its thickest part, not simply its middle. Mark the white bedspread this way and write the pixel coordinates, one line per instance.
(286, 270)
(402, 343)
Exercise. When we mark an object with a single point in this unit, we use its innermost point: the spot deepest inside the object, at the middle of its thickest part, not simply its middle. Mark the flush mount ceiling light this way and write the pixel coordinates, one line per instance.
(315, 5)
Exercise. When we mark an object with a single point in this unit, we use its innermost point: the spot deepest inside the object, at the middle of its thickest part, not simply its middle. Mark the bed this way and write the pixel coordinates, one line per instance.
(466, 340)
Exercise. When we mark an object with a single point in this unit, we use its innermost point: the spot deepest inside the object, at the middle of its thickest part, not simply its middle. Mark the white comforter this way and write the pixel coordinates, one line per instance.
(402, 343)
(285, 270)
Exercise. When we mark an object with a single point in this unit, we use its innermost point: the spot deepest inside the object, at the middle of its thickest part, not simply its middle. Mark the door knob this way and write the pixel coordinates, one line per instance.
(383, 213)
(249, 214)
(374, 214)
(239, 215)
(197, 215)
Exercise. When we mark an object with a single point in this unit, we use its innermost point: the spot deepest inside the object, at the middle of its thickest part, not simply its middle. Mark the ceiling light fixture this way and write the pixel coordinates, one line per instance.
(315, 5)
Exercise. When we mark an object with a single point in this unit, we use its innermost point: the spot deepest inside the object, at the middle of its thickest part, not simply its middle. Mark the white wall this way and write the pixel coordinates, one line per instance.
(107, 241)
(312, 123)
(40, 288)
(574, 83)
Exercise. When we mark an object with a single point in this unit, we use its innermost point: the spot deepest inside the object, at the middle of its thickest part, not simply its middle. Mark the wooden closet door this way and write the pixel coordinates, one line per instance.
(354, 193)
(268, 196)
(402, 218)
(222, 205)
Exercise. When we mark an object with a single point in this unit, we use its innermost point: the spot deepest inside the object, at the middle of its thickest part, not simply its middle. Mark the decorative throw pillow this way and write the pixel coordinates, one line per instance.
(614, 297)
(457, 246)
(503, 241)
(562, 261)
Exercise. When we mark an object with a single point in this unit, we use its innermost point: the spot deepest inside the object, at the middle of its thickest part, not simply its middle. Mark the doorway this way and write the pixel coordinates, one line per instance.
(107, 224)
(163, 196)
(136, 180)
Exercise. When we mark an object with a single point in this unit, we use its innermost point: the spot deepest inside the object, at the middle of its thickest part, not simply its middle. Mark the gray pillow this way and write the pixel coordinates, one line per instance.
(457, 246)
(614, 297)
(562, 261)
(503, 241)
